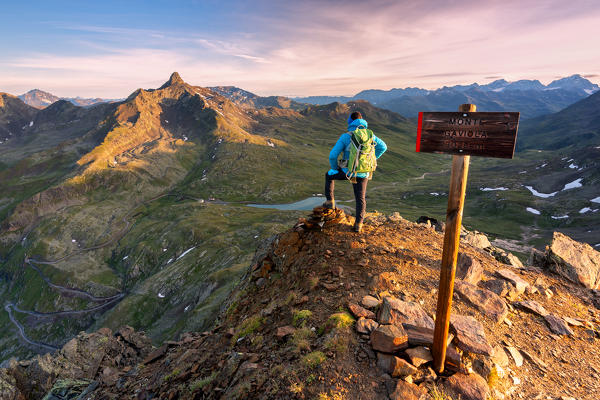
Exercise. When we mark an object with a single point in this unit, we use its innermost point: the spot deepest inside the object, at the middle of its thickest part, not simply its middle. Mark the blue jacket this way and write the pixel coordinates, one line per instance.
(343, 145)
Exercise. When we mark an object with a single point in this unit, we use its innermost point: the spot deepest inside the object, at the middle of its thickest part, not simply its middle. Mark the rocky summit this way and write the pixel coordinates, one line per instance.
(326, 313)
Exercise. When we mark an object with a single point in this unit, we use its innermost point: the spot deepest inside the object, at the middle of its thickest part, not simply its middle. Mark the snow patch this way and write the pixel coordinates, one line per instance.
(434, 193)
(596, 200)
(572, 185)
(589, 91)
(160, 295)
(185, 252)
(584, 210)
(523, 172)
(125, 258)
(169, 261)
(73, 240)
(560, 217)
(185, 138)
(31, 124)
(533, 211)
(538, 194)
(573, 166)
(186, 308)
(487, 189)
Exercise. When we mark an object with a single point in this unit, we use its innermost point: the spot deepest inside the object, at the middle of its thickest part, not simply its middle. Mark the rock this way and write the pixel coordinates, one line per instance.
(470, 335)
(419, 355)
(532, 306)
(156, 354)
(476, 239)
(506, 258)
(572, 322)
(468, 269)
(557, 325)
(8, 386)
(502, 288)
(385, 281)
(408, 391)
(395, 366)
(466, 387)
(284, 331)
(420, 336)
(499, 356)
(535, 361)
(370, 301)
(578, 262)
(396, 312)
(485, 301)
(365, 325)
(437, 225)
(359, 311)
(389, 338)
(513, 278)
(537, 258)
(516, 355)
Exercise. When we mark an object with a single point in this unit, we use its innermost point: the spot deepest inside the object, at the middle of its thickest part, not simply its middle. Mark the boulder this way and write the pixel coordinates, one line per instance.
(476, 239)
(502, 288)
(370, 302)
(284, 331)
(365, 325)
(468, 269)
(408, 391)
(506, 257)
(513, 278)
(466, 387)
(557, 325)
(419, 355)
(389, 338)
(397, 312)
(359, 311)
(578, 262)
(395, 366)
(485, 301)
(470, 335)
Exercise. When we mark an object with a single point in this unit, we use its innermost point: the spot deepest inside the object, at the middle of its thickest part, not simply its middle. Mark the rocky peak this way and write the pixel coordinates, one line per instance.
(175, 79)
(324, 302)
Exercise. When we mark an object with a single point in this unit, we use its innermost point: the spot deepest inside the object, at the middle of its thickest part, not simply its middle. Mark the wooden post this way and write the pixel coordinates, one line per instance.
(456, 201)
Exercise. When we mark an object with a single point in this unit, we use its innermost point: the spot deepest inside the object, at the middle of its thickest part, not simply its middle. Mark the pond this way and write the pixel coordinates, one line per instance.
(303, 205)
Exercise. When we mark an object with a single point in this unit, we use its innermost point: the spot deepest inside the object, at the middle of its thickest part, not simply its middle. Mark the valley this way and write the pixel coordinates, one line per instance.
(137, 212)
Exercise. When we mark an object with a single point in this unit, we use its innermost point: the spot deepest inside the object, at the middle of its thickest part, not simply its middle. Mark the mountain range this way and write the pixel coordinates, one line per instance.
(530, 97)
(138, 211)
(40, 99)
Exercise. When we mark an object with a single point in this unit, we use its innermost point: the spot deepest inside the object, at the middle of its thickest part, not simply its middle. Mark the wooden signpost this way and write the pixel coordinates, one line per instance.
(464, 133)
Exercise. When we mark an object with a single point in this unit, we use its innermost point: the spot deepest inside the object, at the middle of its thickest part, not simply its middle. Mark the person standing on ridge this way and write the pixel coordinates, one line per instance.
(360, 148)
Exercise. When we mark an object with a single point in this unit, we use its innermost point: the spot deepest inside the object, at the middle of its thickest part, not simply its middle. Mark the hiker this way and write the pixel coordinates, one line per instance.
(358, 176)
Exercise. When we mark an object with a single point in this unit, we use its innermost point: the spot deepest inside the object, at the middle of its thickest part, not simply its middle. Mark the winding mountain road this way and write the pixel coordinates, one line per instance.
(46, 347)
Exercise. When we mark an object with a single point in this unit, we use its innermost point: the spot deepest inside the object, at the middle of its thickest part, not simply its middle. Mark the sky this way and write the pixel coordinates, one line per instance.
(109, 48)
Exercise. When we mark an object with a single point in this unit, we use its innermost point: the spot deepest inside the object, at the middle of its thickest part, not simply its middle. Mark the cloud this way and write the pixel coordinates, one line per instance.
(330, 47)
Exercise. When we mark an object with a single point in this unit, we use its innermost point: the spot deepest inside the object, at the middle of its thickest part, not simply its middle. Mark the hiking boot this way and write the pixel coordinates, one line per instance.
(357, 227)
(329, 204)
